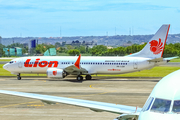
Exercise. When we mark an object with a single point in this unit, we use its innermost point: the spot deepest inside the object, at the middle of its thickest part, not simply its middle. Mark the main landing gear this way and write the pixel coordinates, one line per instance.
(19, 77)
(80, 78)
(88, 77)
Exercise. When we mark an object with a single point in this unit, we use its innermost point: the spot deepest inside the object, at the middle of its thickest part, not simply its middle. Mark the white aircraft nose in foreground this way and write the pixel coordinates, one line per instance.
(60, 67)
(162, 104)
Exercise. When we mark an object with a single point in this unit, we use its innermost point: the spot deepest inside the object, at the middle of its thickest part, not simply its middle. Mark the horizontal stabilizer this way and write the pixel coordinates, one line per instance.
(170, 58)
(156, 60)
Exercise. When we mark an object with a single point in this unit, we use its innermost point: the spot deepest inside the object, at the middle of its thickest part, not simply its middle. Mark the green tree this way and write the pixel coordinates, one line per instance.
(73, 52)
(82, 49)
(2, 53)
(40, 49)
(98, 50)
(69, 47)
(62, 50)
(57, 44)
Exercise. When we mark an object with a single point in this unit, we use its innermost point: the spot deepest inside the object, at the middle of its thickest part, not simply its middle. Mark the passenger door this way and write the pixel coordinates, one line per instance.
(135, 64)
(20, 63)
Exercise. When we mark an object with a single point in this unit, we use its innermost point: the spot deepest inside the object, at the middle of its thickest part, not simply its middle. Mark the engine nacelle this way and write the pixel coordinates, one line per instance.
(55, 73)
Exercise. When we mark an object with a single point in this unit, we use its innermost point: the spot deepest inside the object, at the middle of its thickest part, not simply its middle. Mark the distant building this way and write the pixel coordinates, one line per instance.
(109, 47)
(127, 44)
(92, 43)
(76, 42)
(25, 45)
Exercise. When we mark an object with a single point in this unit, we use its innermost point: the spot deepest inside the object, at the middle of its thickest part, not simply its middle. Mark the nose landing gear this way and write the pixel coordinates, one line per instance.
(19, 77)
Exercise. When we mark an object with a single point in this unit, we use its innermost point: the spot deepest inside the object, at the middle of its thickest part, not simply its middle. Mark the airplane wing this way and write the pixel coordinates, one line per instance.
(76, 67)
(126, 111)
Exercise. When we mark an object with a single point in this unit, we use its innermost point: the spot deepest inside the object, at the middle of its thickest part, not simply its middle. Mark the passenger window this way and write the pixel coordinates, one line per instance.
(176, 106)
(161, 105)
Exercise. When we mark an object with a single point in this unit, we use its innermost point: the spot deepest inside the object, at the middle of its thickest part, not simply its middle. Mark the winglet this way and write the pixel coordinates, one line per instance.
(77, 63)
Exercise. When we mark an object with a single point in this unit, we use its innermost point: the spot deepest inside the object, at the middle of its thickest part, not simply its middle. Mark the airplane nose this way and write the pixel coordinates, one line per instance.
(5, 66)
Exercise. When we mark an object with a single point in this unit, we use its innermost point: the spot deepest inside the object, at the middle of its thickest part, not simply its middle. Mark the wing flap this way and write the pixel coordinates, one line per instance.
(73, 68)
(97, 106)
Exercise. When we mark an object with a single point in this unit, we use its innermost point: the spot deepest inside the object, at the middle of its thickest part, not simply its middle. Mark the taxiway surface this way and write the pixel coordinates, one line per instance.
(125, 91)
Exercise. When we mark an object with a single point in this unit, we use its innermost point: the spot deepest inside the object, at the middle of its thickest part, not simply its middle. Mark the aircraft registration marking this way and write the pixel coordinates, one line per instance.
(114, 69)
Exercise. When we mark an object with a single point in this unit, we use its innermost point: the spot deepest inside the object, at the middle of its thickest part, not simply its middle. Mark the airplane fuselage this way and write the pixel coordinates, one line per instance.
(94, 65)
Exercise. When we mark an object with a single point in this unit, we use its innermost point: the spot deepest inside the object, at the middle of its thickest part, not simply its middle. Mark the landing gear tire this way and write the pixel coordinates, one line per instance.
(19, 77)
(88, 77)
(79, 78)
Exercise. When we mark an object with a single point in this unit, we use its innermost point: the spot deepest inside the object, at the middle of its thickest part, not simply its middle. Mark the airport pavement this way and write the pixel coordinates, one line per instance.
(126, 91)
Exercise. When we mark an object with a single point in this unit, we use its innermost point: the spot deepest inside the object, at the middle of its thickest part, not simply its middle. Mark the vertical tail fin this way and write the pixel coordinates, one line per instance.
(155, 47)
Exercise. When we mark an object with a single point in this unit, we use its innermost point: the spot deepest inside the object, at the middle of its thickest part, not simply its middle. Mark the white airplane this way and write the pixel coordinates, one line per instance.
(60, 67)
(162, 104)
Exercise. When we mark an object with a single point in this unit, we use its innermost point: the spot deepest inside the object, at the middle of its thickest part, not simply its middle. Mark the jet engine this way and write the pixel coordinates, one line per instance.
(56, 73)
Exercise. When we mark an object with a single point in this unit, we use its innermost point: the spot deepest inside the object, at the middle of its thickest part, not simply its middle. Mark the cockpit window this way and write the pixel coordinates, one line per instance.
(148, 104)
(161, 105)
(11, 62)
(176, 106)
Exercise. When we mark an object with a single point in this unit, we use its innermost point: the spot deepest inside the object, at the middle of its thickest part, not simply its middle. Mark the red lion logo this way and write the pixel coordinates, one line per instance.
(55, 72)
(155, 46)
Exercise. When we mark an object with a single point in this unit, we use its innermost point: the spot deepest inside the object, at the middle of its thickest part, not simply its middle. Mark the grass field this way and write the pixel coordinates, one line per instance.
(5, 60)
(159, 71)
(175, 60)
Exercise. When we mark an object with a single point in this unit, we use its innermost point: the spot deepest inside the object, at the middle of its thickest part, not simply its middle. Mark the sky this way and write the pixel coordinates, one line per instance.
(66, 18)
